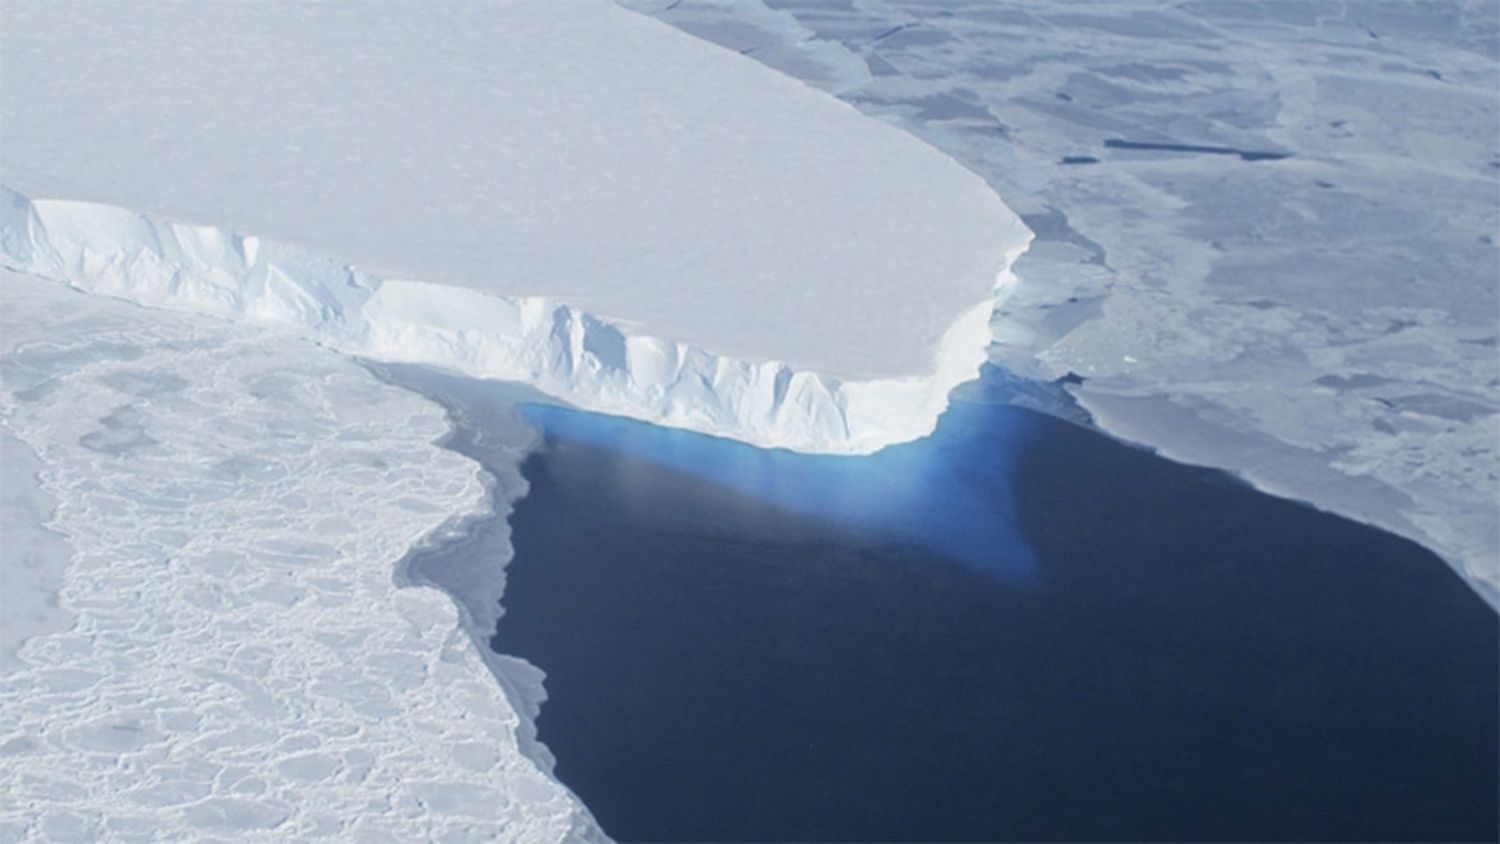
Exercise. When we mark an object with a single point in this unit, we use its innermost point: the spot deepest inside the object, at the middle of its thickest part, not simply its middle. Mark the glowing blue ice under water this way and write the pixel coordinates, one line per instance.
(950, 493)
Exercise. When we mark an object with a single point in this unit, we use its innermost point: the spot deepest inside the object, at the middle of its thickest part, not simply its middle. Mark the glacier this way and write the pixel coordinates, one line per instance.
(782, 270)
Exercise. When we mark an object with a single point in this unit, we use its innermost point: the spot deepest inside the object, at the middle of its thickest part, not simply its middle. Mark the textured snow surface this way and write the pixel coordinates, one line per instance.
(244, 665)
(567, 151)
(1324, 324)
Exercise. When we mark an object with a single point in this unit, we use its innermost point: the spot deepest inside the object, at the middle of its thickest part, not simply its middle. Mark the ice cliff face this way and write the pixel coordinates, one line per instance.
(584, 359)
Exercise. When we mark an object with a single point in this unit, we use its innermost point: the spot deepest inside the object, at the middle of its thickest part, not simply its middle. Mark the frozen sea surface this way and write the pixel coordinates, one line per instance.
(243, 662)
(32, 557)
(1265, 230)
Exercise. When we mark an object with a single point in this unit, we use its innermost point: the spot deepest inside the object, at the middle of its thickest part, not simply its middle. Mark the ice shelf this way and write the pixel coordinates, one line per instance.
(631, 219)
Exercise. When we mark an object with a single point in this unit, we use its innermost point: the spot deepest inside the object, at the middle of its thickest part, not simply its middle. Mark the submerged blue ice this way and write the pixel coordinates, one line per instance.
(950, 493)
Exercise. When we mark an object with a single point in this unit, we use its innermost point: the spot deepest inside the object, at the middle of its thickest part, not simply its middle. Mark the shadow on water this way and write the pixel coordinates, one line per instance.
(1018, 629)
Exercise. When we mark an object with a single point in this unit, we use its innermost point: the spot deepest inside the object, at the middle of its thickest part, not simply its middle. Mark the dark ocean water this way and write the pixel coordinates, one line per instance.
(1016, 629)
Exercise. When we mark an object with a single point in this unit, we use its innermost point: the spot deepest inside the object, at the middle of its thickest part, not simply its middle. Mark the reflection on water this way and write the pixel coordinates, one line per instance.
(932, 493)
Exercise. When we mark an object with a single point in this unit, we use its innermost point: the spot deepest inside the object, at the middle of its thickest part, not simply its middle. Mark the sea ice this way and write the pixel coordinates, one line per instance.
(32, 557)
(242, 660)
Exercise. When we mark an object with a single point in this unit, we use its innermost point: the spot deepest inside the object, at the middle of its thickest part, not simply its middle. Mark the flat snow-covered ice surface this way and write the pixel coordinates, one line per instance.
(33, 558)
(1324, 323)
(243, 663)
(789, 271)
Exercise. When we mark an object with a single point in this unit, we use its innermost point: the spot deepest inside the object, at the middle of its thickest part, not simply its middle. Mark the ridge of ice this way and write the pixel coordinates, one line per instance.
(590, 361)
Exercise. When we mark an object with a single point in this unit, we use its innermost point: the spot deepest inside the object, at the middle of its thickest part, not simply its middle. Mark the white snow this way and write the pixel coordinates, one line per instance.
(242, 664)
(738, 253)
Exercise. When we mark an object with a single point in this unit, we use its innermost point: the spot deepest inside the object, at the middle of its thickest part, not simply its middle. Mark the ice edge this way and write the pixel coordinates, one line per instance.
(589, 361)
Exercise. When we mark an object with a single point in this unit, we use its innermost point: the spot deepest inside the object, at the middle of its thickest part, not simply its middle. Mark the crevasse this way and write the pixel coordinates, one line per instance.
(587, 360)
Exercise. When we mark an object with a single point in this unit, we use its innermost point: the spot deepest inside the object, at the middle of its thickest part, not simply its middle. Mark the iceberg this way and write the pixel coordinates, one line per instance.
(567, 194)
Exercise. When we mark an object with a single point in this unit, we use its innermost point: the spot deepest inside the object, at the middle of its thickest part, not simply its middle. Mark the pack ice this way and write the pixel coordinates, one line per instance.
(228, 656)
(563, 193)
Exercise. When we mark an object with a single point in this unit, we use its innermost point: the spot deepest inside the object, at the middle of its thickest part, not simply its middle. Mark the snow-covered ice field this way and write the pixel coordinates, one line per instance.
(244, 663)
(1323, 324)
(565, 193)
(33, 558)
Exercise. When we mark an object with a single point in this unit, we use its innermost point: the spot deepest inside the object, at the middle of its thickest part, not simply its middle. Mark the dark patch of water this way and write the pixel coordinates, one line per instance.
(1245, 154)
(737, 650)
